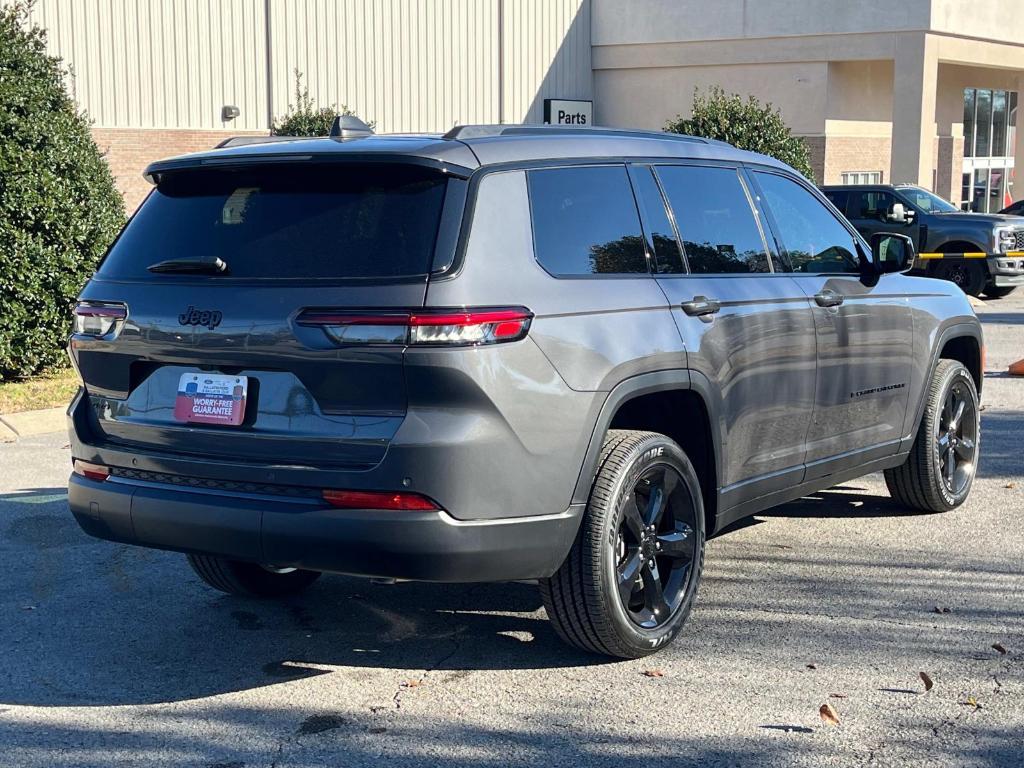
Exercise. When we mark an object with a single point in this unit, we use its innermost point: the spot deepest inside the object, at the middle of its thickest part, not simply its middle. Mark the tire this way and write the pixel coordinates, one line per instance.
(999, 292)
(249, 579)
(604, 597)
(968, 274)
(923, 480)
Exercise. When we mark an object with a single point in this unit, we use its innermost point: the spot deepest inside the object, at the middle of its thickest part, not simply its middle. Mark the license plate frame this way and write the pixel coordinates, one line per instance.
(211, 398)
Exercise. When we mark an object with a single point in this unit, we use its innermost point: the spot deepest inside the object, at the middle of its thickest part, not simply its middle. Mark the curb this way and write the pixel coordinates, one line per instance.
(29, 423)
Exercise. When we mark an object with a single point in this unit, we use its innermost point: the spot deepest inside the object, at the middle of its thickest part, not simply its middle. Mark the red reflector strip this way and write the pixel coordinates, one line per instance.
(97, 310)
(379, 500)
(91, 471)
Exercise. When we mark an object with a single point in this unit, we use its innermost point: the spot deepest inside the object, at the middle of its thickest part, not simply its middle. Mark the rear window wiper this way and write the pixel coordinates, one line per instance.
(209, 265)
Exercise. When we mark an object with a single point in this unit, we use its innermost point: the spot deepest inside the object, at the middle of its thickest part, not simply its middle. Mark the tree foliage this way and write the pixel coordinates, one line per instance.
(744, 123)
(304, 118)
(59, 207)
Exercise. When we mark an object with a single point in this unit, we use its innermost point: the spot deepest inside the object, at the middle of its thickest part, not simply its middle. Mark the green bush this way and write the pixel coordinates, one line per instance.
(304, 118)
(744, 123)
(59, 208)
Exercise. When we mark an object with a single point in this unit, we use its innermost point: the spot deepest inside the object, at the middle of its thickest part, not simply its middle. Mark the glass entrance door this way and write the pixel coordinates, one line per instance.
(989, 117)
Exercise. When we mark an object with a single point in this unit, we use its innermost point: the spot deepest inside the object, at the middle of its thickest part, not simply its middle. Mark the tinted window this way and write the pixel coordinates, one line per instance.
(328, 221)
(715, 220)
(813, 238)
(585, 221)
(927, 201)
(668, 258)
(838, 198)
(870, 205)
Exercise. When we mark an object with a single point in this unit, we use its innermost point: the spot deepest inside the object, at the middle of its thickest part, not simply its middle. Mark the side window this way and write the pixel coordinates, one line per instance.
(813, 238)
(716, 223)
(585, 221)
(667, 256)
(838, 198)
(870, 205)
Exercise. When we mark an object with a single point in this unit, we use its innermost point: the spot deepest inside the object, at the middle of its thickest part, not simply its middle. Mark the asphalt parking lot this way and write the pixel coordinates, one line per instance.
(114, 655)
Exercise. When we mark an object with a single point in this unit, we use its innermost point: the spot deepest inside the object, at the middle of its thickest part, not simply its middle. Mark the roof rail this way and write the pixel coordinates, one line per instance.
(241, 141)
(491, 131)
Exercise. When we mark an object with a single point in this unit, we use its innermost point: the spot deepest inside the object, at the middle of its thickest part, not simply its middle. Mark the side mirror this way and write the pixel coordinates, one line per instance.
(891, 253)
(899, 214)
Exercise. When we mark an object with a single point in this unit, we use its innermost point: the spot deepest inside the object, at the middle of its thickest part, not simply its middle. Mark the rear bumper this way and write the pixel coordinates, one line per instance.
(304, 533)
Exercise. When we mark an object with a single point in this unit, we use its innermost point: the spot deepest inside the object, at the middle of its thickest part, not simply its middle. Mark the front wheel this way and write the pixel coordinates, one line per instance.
(969, 275)
(250, 579)
(938, 473)
(631, 578)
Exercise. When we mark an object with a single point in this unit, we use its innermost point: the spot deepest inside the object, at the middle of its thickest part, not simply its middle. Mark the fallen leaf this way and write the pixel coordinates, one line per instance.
(942, 609)
(1000, 648)
(812, 666)
(653, 673)
(838, 695)
(412, 683)
(828, 714)
(972, 702)
(926, 680)
(1010, 485)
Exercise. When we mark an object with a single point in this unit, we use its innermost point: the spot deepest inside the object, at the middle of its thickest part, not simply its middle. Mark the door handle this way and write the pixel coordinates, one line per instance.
(700, 306)
(828, 298)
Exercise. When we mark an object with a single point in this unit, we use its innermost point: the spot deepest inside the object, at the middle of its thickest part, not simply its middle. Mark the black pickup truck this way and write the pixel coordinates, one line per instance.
(982, 253)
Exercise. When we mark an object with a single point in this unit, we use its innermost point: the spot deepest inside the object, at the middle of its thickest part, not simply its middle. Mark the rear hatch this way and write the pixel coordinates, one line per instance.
(211, 357)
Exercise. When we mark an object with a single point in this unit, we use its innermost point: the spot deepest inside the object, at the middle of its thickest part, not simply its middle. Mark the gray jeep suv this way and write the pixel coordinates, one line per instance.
(564, 355)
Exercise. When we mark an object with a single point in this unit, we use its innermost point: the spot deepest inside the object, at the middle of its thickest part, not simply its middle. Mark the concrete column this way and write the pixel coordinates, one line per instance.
(915, 81)
(1018, 150)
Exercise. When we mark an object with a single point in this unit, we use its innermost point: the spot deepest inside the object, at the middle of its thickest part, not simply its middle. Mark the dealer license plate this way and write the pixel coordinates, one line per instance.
(211, 398)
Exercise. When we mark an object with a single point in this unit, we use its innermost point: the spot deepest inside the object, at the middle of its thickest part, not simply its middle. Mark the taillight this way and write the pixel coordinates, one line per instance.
(98, 319)
(448, 327)
(388, 500)
(91, 471)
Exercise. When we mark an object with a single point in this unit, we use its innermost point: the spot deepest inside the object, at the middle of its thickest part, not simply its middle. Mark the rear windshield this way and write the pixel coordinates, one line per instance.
(321, 221)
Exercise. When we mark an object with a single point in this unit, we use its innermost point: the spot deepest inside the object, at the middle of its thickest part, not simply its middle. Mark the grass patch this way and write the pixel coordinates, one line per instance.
(44, 391)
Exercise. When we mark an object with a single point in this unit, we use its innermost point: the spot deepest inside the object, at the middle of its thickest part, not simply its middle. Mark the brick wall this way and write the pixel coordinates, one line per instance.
(816, 146)
(130, 150)
(856, 153)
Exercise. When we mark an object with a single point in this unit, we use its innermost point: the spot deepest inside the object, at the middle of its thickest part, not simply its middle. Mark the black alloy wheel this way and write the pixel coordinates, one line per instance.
(630, 580)
(655, 547)
(956, 438)
(939, 470)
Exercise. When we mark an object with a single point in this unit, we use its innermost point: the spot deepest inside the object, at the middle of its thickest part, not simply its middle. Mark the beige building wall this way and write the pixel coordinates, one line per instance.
(872, 86)
(155, 74)
(161, 63)
(647, 97)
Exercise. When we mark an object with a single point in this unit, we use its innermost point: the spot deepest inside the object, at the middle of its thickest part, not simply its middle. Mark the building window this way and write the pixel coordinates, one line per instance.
(862, 177)
(989, 120)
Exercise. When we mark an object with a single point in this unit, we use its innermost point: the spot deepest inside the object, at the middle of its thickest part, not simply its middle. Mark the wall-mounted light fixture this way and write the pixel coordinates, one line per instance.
(229, 112)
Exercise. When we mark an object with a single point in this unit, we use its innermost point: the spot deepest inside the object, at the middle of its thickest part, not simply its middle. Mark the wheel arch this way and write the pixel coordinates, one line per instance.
(679, 404)
(960, 341)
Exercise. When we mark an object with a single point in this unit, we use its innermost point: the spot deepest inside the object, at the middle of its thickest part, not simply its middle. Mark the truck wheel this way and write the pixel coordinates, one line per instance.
(249, 579)
(631, 578)
(970, 276)
(937, 475)
(998, 292)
